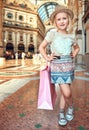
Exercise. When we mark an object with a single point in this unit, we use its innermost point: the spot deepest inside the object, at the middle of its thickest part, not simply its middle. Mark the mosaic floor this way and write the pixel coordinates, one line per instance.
(19, 84)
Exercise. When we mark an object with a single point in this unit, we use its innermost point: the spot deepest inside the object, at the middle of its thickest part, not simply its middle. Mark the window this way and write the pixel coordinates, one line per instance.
(10, 15)
(31, 38)
(9, 35)
(20, 17)
(31, 19)
(21, 37)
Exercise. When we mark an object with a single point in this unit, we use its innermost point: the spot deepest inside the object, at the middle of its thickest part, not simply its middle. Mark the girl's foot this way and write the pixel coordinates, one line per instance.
(62, 120)
(70, 114)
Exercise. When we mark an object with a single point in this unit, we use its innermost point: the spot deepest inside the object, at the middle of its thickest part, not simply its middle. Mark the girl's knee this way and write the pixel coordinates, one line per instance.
(67, 95)
(65, 89)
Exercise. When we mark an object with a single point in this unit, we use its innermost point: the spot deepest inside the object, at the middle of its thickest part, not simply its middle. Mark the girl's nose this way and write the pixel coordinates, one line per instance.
(62, 21)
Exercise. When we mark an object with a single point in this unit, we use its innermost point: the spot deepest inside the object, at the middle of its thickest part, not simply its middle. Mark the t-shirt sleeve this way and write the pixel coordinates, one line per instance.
(49, 36)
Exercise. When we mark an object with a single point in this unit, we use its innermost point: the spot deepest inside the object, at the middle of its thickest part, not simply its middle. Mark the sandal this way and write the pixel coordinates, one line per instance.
(62, 120)
(70, 114)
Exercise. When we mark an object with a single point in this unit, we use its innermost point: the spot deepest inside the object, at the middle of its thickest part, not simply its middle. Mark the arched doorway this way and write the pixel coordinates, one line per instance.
(21, 47)
(9, 47)
(9, 54)
(31, 48)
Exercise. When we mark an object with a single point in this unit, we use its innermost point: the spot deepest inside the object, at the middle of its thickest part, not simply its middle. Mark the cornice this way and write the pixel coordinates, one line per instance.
(27, 10)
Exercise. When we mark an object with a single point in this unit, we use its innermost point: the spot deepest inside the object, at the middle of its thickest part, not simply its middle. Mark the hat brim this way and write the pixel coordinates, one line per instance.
(60, 10)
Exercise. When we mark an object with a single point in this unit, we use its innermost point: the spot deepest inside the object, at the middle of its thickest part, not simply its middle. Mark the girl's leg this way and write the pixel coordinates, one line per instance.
(62, 100)
(67, 95)
(62, 119)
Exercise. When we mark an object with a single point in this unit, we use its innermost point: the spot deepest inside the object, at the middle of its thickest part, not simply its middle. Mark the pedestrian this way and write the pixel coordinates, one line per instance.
(16, 55)
(23, 55)
(64, 49)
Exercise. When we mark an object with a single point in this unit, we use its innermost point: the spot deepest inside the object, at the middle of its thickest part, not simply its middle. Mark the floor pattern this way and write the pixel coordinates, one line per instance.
(18, 108)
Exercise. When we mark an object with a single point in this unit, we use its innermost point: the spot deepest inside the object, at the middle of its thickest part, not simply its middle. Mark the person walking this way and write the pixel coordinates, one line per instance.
(64, 49)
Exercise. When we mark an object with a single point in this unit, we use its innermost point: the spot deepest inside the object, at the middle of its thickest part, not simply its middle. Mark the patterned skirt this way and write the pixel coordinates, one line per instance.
(62, 70)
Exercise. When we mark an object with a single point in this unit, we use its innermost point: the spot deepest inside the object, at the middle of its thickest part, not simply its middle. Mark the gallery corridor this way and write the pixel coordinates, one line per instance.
(19, 83)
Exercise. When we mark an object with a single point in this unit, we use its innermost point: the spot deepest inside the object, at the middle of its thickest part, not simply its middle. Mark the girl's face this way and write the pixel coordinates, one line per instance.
(62, 21)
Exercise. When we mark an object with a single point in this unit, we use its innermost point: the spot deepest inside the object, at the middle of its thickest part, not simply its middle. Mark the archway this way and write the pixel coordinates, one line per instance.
(9, 54)
(31, 48)
(9, 47)
(21, 47)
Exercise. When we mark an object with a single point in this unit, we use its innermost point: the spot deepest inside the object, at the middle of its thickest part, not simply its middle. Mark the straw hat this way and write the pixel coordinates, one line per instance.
(60, 9)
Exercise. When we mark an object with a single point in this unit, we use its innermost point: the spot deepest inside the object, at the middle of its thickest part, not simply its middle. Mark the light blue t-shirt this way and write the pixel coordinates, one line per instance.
(61, 44)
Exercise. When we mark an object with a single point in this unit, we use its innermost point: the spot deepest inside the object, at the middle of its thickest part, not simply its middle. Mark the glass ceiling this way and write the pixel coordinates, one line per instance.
(46, 10)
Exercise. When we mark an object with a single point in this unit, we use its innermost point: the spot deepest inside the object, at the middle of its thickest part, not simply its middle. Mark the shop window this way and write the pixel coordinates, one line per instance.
(21, 47)
(31, 48)
(9, 46)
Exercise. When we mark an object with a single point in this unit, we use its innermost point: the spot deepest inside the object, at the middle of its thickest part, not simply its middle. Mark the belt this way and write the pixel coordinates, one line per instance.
(63, 56)
(58, 57)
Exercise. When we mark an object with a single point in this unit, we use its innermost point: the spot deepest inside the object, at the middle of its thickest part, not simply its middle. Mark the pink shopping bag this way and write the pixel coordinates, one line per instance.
(47, 93)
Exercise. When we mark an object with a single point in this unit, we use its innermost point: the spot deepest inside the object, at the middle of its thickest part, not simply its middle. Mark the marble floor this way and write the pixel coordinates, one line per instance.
(19, 85)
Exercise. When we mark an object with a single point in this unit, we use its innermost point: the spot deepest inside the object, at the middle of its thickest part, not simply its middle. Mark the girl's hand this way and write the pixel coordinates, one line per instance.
(75, 51)
(72, 55)
(51, 57)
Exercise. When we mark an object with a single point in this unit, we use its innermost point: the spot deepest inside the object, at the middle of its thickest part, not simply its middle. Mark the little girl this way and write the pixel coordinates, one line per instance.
(61, 59)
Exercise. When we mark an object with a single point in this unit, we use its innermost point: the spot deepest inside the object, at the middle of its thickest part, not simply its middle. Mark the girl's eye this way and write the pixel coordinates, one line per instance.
(64, 18)
(58, 19)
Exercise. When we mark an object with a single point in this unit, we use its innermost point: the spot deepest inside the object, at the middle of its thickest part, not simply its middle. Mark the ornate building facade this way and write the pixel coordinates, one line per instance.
(22, 28)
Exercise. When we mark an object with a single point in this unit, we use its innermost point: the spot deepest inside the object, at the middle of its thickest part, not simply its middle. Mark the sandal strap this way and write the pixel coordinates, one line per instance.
(61, 116)
(70, 111)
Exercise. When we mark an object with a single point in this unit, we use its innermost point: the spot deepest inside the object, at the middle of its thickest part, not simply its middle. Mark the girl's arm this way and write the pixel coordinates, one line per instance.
(75, 51)
(42, 49)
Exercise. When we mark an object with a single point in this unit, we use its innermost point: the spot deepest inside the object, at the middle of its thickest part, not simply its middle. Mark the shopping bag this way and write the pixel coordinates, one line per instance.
(47, 93)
